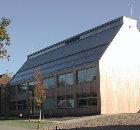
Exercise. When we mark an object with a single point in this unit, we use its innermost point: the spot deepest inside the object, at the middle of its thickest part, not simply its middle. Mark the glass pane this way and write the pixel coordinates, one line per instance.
(92, 95)
(78, 62)
(46, 84)
(62, 82)
(14, 105)
(19, 105)
(89, 59)
(69, 75)
(91, 70)
(24, 105)
(61, 76)
(13, 90)
(69, 81)
(82, 95)
(69, 97)
(51, 79)
(10, 105)
(81, 72)
(61, 103)
(31, 106)
(51, 84)
(69, 64)
(70, 103)
(92, 101)
(61, 98)
(91, 78)
(49, 103)
(21, 88)
(82, 102)
(81, 78)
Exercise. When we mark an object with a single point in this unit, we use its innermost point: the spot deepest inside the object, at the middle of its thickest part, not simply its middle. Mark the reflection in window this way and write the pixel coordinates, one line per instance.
(21, 88)
(12, 105)
(12, 90)
(65, 79)
(86, 75)
(31, 89)
(65, 102)
(49, 83)
(87, 100)
(49, 103)
(22, 105)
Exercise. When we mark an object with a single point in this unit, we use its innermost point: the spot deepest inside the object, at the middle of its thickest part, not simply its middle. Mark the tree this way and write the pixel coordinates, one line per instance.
(39, 91)
(4, 37)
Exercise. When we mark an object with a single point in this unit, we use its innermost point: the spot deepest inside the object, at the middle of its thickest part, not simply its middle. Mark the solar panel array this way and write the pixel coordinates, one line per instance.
(78, 53)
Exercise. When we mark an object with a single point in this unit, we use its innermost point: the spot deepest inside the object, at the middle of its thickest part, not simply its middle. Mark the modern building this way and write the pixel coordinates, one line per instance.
(94, 72)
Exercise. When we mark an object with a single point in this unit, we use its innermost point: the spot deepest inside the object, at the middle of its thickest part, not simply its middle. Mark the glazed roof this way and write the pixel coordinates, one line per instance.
(81, 49)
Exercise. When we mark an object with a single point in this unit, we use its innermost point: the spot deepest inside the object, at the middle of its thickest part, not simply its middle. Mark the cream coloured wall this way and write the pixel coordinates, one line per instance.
(120, 71)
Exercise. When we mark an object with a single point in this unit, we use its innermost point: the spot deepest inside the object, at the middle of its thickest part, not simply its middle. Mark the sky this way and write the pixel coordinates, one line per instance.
(42, 23)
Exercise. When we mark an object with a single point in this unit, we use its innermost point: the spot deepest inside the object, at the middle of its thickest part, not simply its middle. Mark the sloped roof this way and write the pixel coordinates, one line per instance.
(83, 51)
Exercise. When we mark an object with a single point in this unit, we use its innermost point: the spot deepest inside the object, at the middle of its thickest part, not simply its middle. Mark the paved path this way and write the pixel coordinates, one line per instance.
(5, 127)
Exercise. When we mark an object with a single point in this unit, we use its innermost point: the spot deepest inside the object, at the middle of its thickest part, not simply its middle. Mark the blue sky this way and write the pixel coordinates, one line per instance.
(46, 22)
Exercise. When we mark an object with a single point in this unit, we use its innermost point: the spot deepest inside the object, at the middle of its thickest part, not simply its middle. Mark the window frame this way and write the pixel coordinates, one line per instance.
(22, 86)
(22, 105)
(13, 91)
(86, 98)
(65, 79)
(47, 102)
(49, 81)
(86, 75)
(13, 105)
(65, 100)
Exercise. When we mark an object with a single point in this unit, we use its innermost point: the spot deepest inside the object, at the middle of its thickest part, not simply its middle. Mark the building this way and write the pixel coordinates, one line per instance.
(4, 79)
(94, 72)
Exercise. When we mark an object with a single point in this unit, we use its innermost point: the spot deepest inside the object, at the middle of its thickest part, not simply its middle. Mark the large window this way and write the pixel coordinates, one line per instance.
(49, 83)
(22, 105)
(49, 103)
(21, 88)
(65, 79)
(12, 105)
(87, 100)
(65, 101)
(86, 75)
(12, 90)
(31, 89)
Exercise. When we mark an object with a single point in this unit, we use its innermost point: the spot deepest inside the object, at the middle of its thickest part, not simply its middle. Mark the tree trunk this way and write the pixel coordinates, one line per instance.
(40, 112)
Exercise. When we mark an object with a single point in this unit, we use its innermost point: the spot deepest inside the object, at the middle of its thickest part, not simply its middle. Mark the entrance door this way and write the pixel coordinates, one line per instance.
(33, 108)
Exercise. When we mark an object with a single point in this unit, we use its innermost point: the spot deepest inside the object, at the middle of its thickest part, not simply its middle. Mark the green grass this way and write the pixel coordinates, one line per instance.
(27, 124)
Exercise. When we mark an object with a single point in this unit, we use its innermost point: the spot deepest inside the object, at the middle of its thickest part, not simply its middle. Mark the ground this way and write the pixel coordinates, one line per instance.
(104, 122)
(96, 122)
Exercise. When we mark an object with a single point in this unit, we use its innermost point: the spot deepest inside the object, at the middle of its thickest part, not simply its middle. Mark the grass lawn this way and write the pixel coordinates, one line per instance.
(27, 124)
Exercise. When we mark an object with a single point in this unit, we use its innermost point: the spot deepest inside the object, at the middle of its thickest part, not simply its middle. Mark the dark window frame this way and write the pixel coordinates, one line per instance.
(12, 90)
(65, 81)
(12, 105)
(22, 105)
(47, 104)
(49, 80)
(86, 98)
(21, 88)
(65, 99)
(86, 75)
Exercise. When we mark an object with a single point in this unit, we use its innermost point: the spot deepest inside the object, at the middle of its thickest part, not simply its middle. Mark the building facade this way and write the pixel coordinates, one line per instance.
(94, 72)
